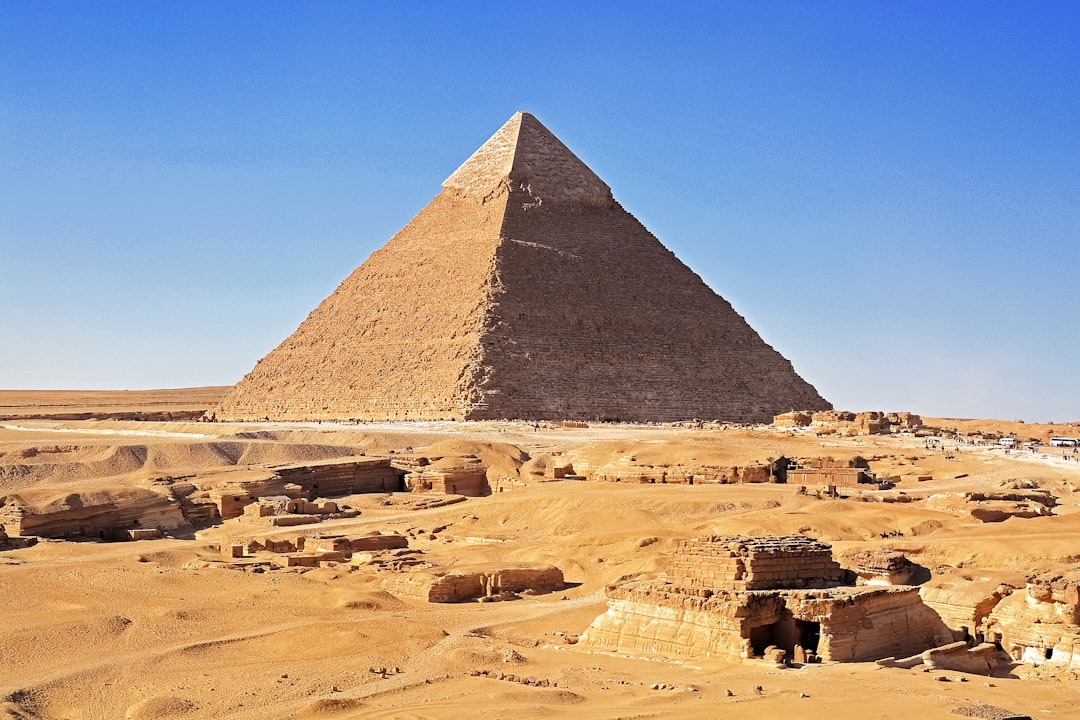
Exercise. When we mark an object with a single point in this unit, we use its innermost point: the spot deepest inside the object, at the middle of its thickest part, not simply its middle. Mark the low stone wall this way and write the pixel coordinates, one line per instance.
(839, 476)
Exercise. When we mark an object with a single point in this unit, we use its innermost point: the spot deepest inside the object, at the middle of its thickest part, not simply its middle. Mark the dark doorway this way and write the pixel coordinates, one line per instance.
(760, 639)
(781, 634)
(808, 634)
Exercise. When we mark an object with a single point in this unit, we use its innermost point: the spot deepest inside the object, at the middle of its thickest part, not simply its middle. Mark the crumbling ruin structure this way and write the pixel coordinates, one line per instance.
(629, 470)
(456, 475)
(464, 583)
(850, 423)
(826, 471)
(523, 290)
(738, 597)
(234, 490)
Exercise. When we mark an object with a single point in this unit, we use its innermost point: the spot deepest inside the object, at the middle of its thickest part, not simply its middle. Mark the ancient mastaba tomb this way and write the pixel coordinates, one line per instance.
(740, 597)
(522, 291)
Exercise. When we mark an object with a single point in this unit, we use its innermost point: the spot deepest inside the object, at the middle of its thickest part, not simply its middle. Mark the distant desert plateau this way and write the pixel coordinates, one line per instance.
(830, 565)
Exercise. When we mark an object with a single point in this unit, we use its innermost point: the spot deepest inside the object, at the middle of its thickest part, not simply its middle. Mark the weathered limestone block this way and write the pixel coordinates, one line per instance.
(881, 567)
(795, 418)
(293, 520)
(644, 620)
(993, 507)
(958, 656)
(297, 560)
(964, 606)
(862, 624)
(342, 476)
(377, 541)
(846, 624)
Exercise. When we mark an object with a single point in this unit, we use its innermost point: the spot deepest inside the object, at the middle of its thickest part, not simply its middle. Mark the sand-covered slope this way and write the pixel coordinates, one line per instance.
(174, 628)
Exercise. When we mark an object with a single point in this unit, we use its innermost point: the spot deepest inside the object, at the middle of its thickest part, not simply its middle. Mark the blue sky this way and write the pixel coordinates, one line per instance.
(888, 192)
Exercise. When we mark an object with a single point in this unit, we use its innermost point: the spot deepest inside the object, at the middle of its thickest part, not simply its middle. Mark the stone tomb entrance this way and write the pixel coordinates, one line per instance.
(786, 634)
(730, 596)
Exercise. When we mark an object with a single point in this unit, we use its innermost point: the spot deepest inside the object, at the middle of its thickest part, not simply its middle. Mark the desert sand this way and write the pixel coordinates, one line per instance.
(174, 628)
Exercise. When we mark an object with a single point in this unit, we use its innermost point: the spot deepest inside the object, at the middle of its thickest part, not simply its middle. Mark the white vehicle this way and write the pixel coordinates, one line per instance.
(1064, 442)
(1007, 442)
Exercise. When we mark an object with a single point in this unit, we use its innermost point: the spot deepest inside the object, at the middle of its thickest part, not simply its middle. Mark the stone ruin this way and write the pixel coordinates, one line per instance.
(371, 548)
(628, 470)
(882, 567)
(282, 511)
(994, 506)
(480, 582)
(14, 543)
(850, 423)
(522, 291)
(853, 473)
(742, 597)
(457, 475)
(111, 515)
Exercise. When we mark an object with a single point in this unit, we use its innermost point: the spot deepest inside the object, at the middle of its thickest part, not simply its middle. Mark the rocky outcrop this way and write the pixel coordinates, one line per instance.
(994, 506)
(964, 605)
(1041, 623)
(881, 567)
(843, 624)
(105, 515)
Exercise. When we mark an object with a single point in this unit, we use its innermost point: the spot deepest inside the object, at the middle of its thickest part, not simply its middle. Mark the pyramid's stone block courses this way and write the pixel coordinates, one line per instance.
(398, 339)
(522, 291)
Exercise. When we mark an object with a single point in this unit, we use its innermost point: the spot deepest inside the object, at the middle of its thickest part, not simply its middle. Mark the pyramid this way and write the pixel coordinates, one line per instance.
(522, 291)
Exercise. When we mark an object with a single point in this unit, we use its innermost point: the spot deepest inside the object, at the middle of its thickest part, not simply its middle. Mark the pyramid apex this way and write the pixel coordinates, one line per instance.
(525, 157)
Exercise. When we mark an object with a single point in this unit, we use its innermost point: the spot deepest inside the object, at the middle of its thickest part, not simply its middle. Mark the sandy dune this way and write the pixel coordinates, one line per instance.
(166, 629)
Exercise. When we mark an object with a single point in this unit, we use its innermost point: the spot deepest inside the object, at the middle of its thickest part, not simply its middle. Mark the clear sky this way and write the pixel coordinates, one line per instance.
(889, 192)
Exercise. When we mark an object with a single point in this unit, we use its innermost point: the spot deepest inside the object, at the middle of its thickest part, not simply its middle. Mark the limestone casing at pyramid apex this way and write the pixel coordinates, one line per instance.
(525, 157)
